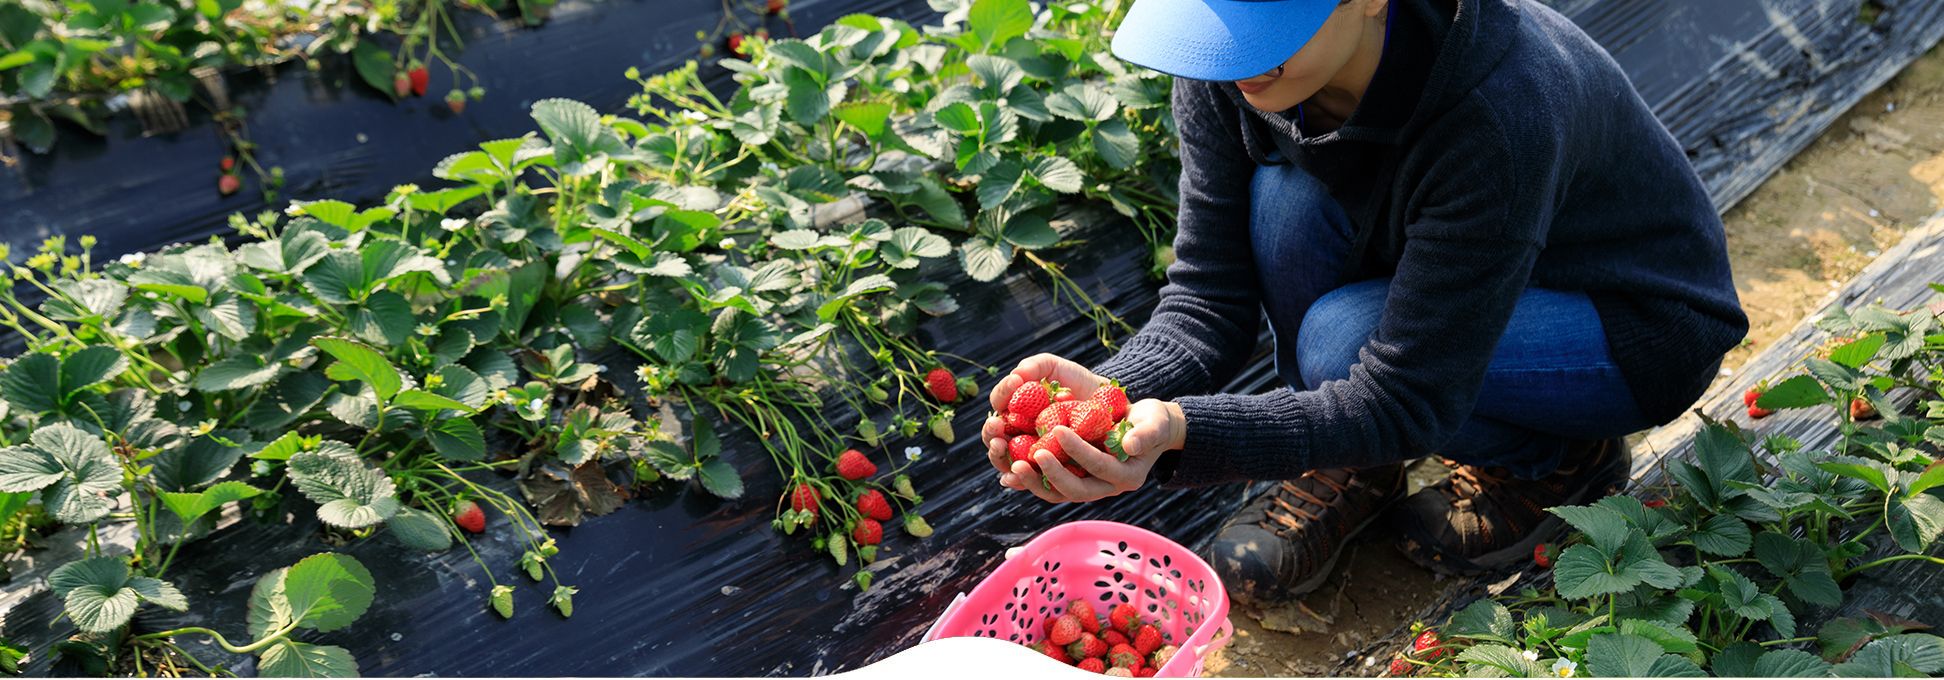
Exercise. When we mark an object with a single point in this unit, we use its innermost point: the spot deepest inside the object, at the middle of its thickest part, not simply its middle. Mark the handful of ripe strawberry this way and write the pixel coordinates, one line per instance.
(1120, 644)
(1038, 407)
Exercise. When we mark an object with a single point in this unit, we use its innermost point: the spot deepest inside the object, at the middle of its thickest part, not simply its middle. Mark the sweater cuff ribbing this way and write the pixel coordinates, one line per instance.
(1234, 438)
(1150, 366)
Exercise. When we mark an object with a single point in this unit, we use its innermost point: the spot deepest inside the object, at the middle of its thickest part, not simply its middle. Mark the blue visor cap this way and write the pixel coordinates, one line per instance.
(1218, 39)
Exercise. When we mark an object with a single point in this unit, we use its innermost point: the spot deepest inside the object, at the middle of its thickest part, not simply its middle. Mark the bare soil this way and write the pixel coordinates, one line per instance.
(1877, 172)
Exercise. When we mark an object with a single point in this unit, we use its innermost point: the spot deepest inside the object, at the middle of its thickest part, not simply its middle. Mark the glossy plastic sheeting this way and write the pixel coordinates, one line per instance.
(337, 138)
(680, 583)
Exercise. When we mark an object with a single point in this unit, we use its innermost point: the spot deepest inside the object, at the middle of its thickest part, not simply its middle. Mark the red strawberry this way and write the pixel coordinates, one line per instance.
(1749, 397)
(1426, 645)
(1114, 637)
(1543, 555)
(1029, 400)
(1087, 647)
(1021, 448)
(872, 504)
(1758, 413)
(804, 499)
(1091, 421)
(942, 385)
(420, 78)
(1092, 665)
(1052, 446)
(1066, 629)
(1123, 656)
(228, 184)
(229, 163)
(1058, 414)
(1052, 651)
(1399, 667)
(1860, 409)
(1147, 639)
(401, 84)
(736, 44)
(1061, 393)
(1655, 503)
(868, 532)
(776, 6)
(1114, 398)
(1084, 610)
(470, 517)
(1124, 617)
(456, 101)
(852, 465)
(1145, 672)
(1018, 423)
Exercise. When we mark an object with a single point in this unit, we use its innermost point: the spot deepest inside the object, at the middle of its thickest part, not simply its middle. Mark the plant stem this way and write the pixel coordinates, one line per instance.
(1895, 558)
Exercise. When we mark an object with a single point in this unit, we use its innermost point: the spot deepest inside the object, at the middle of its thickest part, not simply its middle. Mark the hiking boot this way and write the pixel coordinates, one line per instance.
(1483, 520)
(1284, 544)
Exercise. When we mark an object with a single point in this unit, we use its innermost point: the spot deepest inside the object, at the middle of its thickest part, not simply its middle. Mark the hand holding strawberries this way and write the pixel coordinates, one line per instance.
(1067, 435)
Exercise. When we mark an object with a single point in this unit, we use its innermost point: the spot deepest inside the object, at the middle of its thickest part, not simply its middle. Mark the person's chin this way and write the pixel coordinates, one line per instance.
(1271, 101)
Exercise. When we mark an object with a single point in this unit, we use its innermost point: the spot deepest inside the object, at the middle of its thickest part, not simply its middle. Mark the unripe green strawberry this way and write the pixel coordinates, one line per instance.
(839, 547)
(502, 600)
(902, 485)
(867, 430)
(917, 527)
(941, 426)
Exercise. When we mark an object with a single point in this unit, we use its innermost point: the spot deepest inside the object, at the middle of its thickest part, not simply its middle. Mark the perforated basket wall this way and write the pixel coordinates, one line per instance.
(1105, 563)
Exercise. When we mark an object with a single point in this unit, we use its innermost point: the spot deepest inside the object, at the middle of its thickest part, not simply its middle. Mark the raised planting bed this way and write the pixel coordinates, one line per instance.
(1885, 323)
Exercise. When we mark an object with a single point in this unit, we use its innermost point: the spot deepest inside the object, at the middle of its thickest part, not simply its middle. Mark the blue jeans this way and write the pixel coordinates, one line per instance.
(1551, 381)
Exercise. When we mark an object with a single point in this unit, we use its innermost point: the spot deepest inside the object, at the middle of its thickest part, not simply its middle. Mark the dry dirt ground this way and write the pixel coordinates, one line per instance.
(1877, 172)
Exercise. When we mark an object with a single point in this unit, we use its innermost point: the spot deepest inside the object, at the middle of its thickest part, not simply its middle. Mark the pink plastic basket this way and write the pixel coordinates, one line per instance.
(1106, 563)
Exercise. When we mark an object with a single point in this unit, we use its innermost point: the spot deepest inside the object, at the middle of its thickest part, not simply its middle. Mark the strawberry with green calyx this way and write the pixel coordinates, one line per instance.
(1123, 656)
(1086, 646)
(839, 548)
(1052, 651)
(1544, 554)
(1092, 665)
(1060, 393)
(735, 44)
(1113, 398)
(1147, 639)
(1124, 617)
(1054, 416)
(469, 517)
(868, 532)
(420, 79)
(804, 500)
(1400, 668)
(1028, 401)
(872, 504)
(502, 600)
(942, 385)
(853, 465)
(941, 426)
(456, 101)
(1085, 612)
(1116, 436)
(1066, 630)
(916, 526)
(1162, 656)
(967, 386)
(1861, 409)
(1091, 421)
(401, 84)
(902, 485)
(1428, 646)
(867, 431)
(229, 163)
(228, 184)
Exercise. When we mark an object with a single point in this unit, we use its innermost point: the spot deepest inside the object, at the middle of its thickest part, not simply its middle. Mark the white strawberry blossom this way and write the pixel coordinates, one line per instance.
(1564, 668)
(695, 115)
(133, 259)
(727, 244)
(536, 405)
(912, 452)
(1530, 655)
(452, 224)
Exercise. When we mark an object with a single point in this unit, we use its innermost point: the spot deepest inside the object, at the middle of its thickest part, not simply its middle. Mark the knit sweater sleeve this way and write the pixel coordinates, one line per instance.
(1469, 251)
(1204, 327)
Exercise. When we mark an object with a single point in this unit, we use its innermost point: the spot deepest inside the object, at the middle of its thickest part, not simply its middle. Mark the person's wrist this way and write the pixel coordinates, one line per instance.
(1177, 427)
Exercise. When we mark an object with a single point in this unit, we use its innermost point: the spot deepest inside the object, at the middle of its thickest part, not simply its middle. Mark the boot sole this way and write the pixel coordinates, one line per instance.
(1432, 558)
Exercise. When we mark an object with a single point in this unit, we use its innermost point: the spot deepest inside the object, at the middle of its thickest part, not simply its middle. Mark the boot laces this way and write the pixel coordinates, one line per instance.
(1292, 515)
(1471, 481)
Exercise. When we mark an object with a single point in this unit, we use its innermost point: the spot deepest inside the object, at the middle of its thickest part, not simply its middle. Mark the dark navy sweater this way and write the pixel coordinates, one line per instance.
(1497, 148)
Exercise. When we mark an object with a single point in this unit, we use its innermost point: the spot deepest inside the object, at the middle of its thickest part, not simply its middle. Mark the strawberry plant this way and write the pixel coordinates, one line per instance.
(968, 128)
(1752, 542)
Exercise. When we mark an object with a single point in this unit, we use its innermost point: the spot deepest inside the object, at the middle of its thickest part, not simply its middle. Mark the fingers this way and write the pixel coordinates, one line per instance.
(1030, 481)
(997, 453)
(1003, 391)
(1052, 367)
(1100, 464)
(1144, 439)
(1066, 484)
